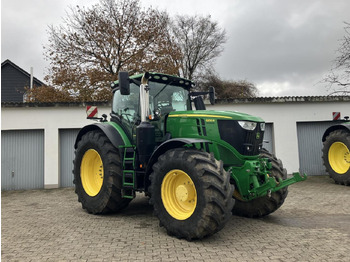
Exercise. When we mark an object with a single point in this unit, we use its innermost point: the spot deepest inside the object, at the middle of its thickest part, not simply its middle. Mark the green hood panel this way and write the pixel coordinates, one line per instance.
(210, 114)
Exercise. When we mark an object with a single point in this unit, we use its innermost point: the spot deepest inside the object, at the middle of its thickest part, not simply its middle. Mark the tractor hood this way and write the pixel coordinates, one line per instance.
(236, 131)
(210, 114)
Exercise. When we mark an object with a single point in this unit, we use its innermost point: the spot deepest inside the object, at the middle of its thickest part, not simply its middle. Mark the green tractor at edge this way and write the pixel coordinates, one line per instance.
(336, 152)
(197, 166)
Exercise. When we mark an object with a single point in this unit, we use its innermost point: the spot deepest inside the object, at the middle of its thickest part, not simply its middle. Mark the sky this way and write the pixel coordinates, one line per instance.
(284, 47)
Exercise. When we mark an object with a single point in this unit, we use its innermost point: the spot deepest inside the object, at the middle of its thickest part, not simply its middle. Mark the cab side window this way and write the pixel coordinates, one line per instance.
(127, 107)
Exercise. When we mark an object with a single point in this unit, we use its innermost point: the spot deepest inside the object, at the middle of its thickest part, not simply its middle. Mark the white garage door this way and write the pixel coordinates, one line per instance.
(67, 140)
(268, 138)
(22, 159)
(310, 146)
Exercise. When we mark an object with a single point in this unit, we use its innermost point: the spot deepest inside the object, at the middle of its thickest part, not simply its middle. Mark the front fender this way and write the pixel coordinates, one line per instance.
(113, 131)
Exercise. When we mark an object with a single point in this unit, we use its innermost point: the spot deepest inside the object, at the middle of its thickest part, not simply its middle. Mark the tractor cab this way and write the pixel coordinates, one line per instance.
(164, 94)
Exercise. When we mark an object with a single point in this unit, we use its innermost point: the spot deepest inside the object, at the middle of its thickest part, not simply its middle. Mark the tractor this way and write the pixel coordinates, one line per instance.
(197, 166)
(336, 151)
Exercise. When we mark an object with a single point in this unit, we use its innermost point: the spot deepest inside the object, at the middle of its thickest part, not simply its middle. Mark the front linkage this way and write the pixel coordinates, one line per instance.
(254, 179)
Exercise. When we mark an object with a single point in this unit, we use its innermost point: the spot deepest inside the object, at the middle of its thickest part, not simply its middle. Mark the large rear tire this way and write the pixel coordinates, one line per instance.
(191, 193)
(336, 156)
(265, 205)
(98, 174)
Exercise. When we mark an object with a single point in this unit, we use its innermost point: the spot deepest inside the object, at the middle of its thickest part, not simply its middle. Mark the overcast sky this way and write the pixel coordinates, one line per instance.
(284, 47)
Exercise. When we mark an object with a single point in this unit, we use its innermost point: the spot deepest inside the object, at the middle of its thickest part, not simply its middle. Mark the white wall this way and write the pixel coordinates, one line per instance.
(284, 116)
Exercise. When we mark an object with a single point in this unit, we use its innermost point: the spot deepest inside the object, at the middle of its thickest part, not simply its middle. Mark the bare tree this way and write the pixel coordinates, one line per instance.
(226, 89)
(47, 94)
(200, 40)
(339, 77)
(94, 44)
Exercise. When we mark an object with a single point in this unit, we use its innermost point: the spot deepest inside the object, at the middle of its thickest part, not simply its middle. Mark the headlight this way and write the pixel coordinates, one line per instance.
(262, 126)
(247, 125)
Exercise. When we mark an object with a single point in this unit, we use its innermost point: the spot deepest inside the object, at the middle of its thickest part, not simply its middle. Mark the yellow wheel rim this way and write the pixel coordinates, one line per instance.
(91, 172)
(339, 157)
(179, 194)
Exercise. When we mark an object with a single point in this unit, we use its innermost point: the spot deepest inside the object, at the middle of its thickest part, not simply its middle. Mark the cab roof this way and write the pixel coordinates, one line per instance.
(163, 78)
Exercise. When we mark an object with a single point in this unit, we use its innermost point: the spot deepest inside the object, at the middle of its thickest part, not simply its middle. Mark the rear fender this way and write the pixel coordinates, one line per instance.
(113, 131)
(345, 126)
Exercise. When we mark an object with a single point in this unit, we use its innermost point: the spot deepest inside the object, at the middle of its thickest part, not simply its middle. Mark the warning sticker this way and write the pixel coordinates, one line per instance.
(91, 111)
(336, 115)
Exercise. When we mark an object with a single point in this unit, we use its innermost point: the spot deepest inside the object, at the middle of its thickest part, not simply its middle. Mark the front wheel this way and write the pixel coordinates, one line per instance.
(265, 205)
(98, 174)
(191, 193)
(336, 156)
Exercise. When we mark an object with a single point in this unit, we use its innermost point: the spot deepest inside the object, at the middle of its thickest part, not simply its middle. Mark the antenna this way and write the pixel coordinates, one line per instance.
(31, 78)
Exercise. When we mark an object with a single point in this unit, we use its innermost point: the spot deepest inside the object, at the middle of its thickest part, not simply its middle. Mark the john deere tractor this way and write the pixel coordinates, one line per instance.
(197, 166)
(336, 152)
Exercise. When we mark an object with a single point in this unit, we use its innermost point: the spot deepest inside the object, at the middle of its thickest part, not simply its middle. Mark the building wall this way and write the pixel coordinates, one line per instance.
(283, 115)
(12, 84)
(51, 119)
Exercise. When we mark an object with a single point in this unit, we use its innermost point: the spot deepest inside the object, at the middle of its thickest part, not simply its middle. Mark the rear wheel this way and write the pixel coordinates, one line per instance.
(336, 156)
(191, 193)
(265, 205)
(98, 175)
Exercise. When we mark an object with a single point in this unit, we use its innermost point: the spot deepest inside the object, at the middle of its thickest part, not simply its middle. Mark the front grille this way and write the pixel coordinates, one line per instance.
(245, 142)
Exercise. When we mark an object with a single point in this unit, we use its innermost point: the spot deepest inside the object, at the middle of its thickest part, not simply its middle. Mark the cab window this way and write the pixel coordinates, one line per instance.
(127, 107)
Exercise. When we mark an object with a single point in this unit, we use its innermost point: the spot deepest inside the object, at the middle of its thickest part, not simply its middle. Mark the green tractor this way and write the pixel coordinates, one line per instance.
(336, 152)
(196, 166)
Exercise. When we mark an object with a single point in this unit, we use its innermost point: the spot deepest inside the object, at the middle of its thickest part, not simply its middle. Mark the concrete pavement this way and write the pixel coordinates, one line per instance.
(50, 225)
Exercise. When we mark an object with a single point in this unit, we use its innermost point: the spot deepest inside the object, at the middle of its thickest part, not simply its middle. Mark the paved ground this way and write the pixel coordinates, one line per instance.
(40, 225)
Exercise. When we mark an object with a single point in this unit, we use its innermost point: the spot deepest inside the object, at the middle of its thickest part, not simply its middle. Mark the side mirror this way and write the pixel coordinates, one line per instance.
(212, 95)
(124, 83)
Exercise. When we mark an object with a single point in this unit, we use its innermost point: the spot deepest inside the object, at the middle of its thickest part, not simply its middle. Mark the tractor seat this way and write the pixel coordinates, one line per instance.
(166, 110)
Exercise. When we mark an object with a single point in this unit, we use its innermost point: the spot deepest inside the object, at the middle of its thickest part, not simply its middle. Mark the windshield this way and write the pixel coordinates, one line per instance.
(166, 98)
